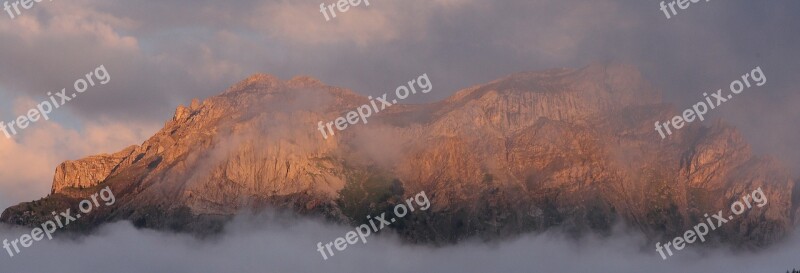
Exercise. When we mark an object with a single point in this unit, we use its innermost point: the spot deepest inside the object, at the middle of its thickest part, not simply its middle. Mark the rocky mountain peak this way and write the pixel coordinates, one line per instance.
(258, 81)
(567, 148)
(305, 81)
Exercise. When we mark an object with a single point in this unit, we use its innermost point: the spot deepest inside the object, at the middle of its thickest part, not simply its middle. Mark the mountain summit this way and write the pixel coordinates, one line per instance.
(573, 149)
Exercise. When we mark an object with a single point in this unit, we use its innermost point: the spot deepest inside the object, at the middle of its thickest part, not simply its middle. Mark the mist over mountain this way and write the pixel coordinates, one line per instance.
(572, 150)
(272, 242)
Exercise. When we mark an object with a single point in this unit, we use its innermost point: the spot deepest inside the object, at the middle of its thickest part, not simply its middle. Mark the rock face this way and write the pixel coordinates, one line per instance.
(88, 172)
(569, 149)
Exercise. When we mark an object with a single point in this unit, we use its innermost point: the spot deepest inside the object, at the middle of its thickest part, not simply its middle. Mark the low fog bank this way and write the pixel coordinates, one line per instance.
(271, 243)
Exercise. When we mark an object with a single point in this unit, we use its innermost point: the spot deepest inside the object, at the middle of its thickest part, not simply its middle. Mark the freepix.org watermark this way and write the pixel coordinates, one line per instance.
(26, 4)
(701, 230)
(669, 7)
(43, 109)
(341, 5)
(60, 220)
(362, 113)
(363, 231)
(697, 112)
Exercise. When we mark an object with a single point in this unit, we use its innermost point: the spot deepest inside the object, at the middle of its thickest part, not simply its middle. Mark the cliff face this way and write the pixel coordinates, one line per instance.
(572, 149)
(89, 171)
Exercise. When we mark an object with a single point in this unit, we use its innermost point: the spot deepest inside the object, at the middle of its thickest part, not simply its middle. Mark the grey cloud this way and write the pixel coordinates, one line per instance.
(275, 243)
(197, 48)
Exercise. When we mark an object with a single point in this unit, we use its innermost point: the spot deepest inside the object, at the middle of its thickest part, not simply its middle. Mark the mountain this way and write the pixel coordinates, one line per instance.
(572, 149)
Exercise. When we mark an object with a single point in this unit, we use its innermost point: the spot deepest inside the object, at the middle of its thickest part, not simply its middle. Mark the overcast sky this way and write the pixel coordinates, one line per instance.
(163, 53)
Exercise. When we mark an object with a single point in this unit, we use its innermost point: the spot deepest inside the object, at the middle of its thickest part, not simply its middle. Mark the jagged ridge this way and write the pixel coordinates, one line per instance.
(566, 148)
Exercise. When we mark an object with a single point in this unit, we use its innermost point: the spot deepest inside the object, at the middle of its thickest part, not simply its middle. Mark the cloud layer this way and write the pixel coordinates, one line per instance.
(270, 243)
